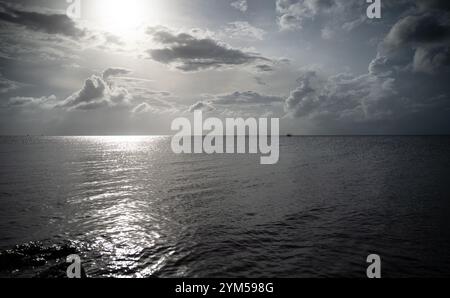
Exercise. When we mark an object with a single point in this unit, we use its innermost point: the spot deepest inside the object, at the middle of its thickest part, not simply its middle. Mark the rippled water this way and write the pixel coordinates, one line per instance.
(131, 208)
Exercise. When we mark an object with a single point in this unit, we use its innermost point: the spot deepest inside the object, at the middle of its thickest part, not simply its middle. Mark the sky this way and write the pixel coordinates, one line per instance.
(130, 67)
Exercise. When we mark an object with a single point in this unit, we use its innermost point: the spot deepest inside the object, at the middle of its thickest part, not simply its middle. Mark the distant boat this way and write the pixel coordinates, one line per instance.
(289, 135)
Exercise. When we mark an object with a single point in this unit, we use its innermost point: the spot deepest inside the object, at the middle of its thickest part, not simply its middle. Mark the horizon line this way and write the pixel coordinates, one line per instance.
(280, 135)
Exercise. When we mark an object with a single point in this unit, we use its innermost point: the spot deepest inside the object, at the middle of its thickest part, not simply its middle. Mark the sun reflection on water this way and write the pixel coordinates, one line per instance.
(124, 224)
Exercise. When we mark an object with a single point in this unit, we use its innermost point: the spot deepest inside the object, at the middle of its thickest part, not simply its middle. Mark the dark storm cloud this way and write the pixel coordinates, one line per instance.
(42, 22)
(428, 35)
(418, 30)
(405, 88)
(434, 4)
(432, 60)
(187, 52)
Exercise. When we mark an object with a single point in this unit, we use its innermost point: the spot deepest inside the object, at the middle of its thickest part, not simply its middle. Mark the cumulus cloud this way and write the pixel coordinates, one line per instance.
(428, 35)
(241, 5)
(404, 89)
(342, 98)
(95, 94)
(187, 52)
(380, 101)
(39, 21)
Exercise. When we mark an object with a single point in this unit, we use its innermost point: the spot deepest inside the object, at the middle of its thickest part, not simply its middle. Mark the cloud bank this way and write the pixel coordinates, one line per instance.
(188, 53)
(404, 90)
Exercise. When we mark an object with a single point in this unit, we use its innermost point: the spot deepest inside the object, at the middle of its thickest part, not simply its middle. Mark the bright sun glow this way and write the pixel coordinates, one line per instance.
(123, 17)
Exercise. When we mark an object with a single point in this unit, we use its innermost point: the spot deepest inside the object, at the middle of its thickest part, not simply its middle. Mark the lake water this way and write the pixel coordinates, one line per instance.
(131, 208)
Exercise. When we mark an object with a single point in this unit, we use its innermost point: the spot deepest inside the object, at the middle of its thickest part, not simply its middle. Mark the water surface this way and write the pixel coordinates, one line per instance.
(131, 208)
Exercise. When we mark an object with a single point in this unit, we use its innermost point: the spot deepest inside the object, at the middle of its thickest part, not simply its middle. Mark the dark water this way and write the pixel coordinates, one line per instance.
(131, 208)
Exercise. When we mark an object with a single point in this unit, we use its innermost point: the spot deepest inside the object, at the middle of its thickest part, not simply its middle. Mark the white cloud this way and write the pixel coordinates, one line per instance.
(95, 94)
(243, 30)
(241, 5)
(293, 13)
(32, 102)
(201, 106)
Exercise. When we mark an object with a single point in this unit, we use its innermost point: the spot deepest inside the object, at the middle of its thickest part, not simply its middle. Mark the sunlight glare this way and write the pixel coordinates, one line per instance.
(123, 17)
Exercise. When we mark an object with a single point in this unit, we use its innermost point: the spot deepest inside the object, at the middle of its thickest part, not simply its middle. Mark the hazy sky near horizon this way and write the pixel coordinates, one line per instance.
(132, 66)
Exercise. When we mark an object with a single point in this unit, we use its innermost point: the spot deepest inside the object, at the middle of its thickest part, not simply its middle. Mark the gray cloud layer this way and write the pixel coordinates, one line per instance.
(237, 102)
(43, 22)
(248, 97)
(187, 52)
(7, 85)
(115, 71)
